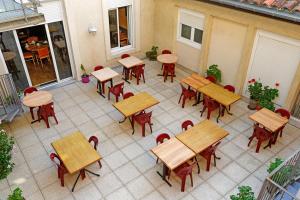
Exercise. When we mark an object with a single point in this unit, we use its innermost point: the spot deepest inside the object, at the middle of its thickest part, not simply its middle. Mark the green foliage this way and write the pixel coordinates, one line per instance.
(6, 146)
(274, 165)
(152, 54)
(255, 89)
(214, 71)
(84, 73)
(16, 195)
(264, 103)
(245, 193)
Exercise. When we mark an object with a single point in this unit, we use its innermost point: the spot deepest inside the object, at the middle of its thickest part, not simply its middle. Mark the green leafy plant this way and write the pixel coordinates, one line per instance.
(16, 195)
(6, 146)
(274, 165)
(152, 54)
(245, 193)
(255, 89)
(214, 71)
(282, 175)
(84, 73)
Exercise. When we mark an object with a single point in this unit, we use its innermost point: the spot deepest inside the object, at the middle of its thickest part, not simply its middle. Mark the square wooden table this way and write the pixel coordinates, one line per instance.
(221, 95)
(172, 153)
(269, 119)
(134, 104)
(76, 153)
(128, 63)
(104, 75)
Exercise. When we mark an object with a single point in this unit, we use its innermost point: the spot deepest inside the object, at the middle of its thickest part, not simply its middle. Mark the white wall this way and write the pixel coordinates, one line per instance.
(274, 59)
(226, 47)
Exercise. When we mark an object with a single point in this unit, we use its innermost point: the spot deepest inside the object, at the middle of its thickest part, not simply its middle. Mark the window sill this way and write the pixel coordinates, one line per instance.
(119, 51)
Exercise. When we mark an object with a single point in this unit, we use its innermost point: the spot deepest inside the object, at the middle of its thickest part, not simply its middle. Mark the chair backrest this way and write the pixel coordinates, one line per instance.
(30, 90)
(95, 140)
(147, 116)
(118, 88)
(54, 158)
(43, 52)
(184, 171)
(98, 67)
(127, 95)
(166, 51)
(170, 67)
(161, 137)
(47, 109)
(229, 88)
(32, 38)
(139, 69)
(211, 79)
(186, 124)
(125, 56)
(283, 112)
(183, 88)
(208, 102)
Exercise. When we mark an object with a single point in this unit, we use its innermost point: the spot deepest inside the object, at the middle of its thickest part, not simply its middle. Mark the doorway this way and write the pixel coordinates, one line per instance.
(36, 52)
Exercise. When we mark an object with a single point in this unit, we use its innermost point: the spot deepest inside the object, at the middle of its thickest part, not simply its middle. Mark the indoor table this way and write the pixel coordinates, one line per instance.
(167, 59)
(129, 63)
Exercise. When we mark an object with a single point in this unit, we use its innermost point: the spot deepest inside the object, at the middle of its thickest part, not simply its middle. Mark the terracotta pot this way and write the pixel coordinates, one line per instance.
(85, 79)
(252, 104)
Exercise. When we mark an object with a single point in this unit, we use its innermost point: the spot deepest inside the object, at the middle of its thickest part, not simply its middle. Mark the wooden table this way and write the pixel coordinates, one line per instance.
(35, 48)
(129, 63)
(172, 153)
(202, 136)
(167, 59)
(135, 104)
(76, 153)
(102, 76)
(221, 95)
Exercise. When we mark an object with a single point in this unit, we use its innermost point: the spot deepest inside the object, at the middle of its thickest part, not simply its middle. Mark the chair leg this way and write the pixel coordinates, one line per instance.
(183, 101)
(62, 179)
(203, 110)
(250, 140)
(183, 184)
(143, 130)
(208, 113)
(117, 98)
(258, 146)
(191, 176)
(180, 98)
(100, 165)
(143, 77)
(156, 160)
(208, 164)
(31, 112)
(150, 125)
(103, 87)
(108, 95)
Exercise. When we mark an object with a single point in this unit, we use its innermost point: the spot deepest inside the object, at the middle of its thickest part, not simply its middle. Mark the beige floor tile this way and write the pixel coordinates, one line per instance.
(221, 183)
(205, 191)
(122, 193)
(140, 187)
(55, 192)
(235, 172)
(89, 192)
(153, 196)
(127, 173)
(132, 150)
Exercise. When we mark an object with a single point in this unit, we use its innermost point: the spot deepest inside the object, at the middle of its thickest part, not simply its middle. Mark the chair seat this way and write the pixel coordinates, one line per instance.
(140, 118)
(189, 93)
(176, 170)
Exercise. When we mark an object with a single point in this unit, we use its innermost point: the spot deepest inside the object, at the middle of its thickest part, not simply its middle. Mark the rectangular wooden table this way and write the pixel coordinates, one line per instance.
(202, 136)
(104, 75)
(76, 153)
(172, 153)
(135, 104)
(221, 95)
(128, 63)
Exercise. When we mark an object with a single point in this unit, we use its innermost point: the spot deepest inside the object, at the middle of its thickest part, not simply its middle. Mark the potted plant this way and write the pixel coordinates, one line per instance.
(255, 89)
(6, 146)
(282, 175)
(267, 96)
(214, 71)
(152, 54)
(16, 195)
(85, 78)
(245, 193)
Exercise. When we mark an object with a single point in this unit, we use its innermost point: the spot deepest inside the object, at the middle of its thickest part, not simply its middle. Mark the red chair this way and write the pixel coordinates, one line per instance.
(143, 118)
(30, 90)
(32, 39)
(186, 94)
(183, 171)
(47, 111)
(122, 57)
(160, 139)
(211, 105)
(98, 67)
(230, 88)
(208, 153)
(95, 140)
(138, 72)
(169, 70)
(127, 95)
(116, 90)
(61, 170)
(165, 51)
(261, 135)
(186, 124)
(211, 79)
(284, 113)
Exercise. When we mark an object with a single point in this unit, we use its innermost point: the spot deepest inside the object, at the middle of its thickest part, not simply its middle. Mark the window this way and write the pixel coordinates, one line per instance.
(119, 27)
(190, 28)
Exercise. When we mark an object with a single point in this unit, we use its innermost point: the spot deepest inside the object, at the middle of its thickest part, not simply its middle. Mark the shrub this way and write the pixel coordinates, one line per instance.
(16, 195)
(245, 193)
(6, 146)
(214, 71)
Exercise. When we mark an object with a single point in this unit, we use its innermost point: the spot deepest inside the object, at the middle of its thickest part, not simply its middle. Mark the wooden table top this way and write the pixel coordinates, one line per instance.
(167, 58)
(35, 47)
(135, 104)
(173, 153)
(269, 119)
(202, 136)
(195, 81)
(130, 62)
(75, 152)
(104, 74)
(9, 55)
(37, 98)
(220, 94)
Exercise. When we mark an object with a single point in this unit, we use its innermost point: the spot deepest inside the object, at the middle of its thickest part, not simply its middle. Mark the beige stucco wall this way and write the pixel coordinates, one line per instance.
(165, 34)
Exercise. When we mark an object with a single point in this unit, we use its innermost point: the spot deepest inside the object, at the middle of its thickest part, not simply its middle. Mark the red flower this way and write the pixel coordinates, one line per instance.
(249, 81)
(277, 84)
(253, 80)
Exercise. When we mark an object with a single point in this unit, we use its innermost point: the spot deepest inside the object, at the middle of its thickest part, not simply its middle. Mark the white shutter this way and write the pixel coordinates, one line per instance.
(52, 11)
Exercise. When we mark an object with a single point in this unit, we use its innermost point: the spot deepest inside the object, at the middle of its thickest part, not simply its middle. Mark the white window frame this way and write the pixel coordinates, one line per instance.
(200, 26)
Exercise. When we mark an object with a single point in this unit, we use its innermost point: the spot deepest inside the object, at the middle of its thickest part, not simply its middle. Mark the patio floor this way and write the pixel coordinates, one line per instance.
(129, 168)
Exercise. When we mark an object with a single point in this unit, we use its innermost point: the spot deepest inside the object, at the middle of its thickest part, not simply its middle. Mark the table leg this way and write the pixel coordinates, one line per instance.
(81, 174)
(100, 89)
(197, 164)
(229, 113)
(198, 99)
(123, 120)
(132, 124)
(126, 76)
(163, 176)
(111, 83)
(220, 113)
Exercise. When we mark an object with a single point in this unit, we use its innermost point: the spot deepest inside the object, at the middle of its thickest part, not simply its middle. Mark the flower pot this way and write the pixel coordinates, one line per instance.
(85, 79)
(252, 104)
